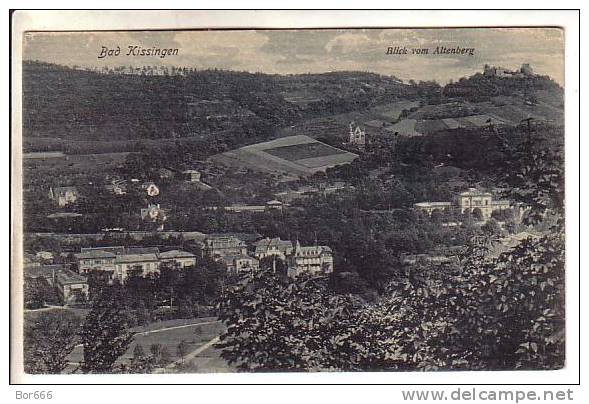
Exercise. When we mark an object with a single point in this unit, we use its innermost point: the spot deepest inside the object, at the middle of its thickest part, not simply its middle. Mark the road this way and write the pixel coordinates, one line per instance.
(47, 308)
(176, 327)
(188, 357)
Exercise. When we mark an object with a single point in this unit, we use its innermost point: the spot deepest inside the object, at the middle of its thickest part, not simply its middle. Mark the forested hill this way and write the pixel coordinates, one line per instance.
(65, 103)
(479, 87)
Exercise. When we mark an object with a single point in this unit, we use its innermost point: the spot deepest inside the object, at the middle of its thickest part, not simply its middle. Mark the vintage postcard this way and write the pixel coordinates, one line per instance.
(291, 200)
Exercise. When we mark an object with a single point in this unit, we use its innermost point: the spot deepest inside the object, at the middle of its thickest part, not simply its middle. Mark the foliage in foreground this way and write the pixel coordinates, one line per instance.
(48, 340)
(487, 311)
(105, 333)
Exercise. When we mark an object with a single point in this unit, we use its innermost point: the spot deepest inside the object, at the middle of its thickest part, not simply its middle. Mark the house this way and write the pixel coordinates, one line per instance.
(470, 200)
(191, 175)
(219, 245)
(240, 262)
(165, 174)
(268, 247)
(31, 260)
(117, 186)
(274, 205)
(243, 208)
(153, 213)
(96, 260)
(474, 199)
(47, 272)
(136, 264)
(115, 250)
(63, 196)
(71, 286)
(150, 188)
(313, 260)
(429, 207)
(356, 137)
(120, 262)
(182, 258)
(194, 177)
(45, 255)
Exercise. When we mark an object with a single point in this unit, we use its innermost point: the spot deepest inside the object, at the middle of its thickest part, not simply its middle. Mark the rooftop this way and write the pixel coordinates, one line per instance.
(315, 249)
(66, 277)
(176, 254)
(432, 204)
(129, 258)
(95, 254)
(113, 249)
(474, 192)
(230, 257)
(65, 189)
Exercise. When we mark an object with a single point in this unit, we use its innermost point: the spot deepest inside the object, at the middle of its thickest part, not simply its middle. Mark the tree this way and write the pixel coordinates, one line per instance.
(138, 352)
(477, 214)
(275, 325)
(156, 352)
(165, 356)
(140, 362)
(182, 350)
(491, 228)
(48, 340)
(198, 332)
(34, 292)
(105, 334)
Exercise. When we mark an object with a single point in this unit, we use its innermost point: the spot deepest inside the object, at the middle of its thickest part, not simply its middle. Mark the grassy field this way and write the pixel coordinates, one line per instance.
(303, 151)
(77, 162)
(393, 110)
(170, 334)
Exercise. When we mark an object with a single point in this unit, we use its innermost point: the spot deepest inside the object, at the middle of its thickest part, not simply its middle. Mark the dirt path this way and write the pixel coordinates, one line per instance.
(188, 357)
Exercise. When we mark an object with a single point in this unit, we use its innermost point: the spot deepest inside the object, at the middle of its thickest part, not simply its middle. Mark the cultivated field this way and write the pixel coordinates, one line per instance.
(295, 155)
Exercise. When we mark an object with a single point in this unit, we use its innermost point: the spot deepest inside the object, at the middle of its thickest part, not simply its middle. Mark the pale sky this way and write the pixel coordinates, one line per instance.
(315, 51)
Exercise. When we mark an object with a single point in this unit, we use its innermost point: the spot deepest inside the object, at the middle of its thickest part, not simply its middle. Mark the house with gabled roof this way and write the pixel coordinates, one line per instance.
(119, 262)
(268, 247)
(314, 260)
(63, 196)
(182, 258)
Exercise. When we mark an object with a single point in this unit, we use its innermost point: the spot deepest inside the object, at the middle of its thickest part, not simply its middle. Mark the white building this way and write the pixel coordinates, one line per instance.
(136, 264)
(219, 245)
(64, 195)
(96, 260)
(468, 201)
(182, 258)
(120, 262)
(71, 286)
(153, 213)
(356, 137)
(191, 175)
(150, 188)
(313, 260)
(240, 262)
(268, 247)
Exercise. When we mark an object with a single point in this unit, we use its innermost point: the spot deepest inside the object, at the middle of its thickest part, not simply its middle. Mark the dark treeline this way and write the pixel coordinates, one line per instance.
(225, 106)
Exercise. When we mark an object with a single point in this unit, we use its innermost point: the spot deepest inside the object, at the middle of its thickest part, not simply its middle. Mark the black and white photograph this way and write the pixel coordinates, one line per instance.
(201, 201)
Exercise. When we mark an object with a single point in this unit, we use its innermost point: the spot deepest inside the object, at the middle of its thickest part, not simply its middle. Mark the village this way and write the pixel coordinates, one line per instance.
(314, 189)
(68, 273)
